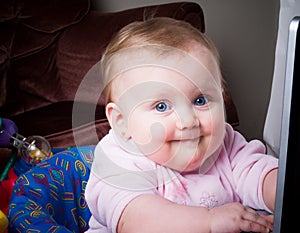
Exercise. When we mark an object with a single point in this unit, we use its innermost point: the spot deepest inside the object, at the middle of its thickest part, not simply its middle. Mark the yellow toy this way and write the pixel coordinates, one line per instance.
(3, 222)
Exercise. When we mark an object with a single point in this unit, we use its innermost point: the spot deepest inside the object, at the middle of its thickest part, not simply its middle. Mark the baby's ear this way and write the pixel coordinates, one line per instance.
(117, 121)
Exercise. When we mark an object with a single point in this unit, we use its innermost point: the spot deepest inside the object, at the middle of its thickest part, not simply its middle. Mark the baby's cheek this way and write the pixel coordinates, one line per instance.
(206, 124)
(216, 123)
(213, 126)
(218, 130)
(149, 137)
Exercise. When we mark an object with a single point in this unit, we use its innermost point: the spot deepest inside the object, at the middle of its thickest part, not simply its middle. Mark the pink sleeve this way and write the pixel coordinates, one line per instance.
(250, 164)
(114, 181)
(106, 204)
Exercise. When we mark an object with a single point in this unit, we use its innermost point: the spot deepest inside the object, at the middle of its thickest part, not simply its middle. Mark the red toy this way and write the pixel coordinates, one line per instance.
(5, 190)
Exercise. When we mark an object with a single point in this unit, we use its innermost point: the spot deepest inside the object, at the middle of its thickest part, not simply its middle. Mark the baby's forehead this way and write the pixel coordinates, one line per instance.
(197, 64)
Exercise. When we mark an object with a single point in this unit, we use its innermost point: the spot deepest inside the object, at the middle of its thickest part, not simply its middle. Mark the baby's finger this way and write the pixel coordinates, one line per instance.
(248, 226)
(269, 218)
(255, 222)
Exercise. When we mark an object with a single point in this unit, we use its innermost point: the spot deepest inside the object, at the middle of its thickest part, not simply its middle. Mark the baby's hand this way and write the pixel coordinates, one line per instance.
(235, 218)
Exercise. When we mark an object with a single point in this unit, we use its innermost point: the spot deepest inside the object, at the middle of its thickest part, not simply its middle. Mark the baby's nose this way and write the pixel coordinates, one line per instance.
(186, 119)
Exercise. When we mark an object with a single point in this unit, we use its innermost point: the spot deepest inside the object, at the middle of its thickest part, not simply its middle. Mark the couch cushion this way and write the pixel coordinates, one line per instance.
(29, 34)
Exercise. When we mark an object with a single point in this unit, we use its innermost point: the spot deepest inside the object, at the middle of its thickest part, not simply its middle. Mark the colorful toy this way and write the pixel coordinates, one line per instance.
(33, 150)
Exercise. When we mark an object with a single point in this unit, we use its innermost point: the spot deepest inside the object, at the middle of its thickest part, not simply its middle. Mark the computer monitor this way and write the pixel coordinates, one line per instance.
(287, 203)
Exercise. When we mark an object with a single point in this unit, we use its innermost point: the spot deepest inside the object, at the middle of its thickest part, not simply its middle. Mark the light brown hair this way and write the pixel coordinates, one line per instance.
(155, 31)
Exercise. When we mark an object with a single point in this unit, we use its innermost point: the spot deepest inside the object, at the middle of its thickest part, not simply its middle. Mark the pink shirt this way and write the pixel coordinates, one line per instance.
(234, 174)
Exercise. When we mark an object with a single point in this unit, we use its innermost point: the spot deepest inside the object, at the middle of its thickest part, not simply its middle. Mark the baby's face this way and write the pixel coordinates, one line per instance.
(175, 117)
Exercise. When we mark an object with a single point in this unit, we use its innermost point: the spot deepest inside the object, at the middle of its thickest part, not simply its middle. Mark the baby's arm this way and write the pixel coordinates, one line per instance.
(151, 213)
(269, 189)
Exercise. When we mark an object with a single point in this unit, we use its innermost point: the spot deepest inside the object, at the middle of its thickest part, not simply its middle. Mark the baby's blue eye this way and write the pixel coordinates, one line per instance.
(162, 107)
(200, 101)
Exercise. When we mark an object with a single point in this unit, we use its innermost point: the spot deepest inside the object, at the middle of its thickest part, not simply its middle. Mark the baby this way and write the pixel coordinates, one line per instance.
(171, 163)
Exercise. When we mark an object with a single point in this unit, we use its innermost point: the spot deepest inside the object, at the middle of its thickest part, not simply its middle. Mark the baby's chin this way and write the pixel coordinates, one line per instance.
(192, 165)
(202, 163)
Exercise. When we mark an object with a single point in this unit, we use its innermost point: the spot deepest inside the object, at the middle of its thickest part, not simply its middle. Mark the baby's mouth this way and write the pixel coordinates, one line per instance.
(187, 140)
(187, 135)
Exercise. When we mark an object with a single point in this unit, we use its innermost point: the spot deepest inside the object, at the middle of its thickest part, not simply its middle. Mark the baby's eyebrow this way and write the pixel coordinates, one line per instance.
(196, 91)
